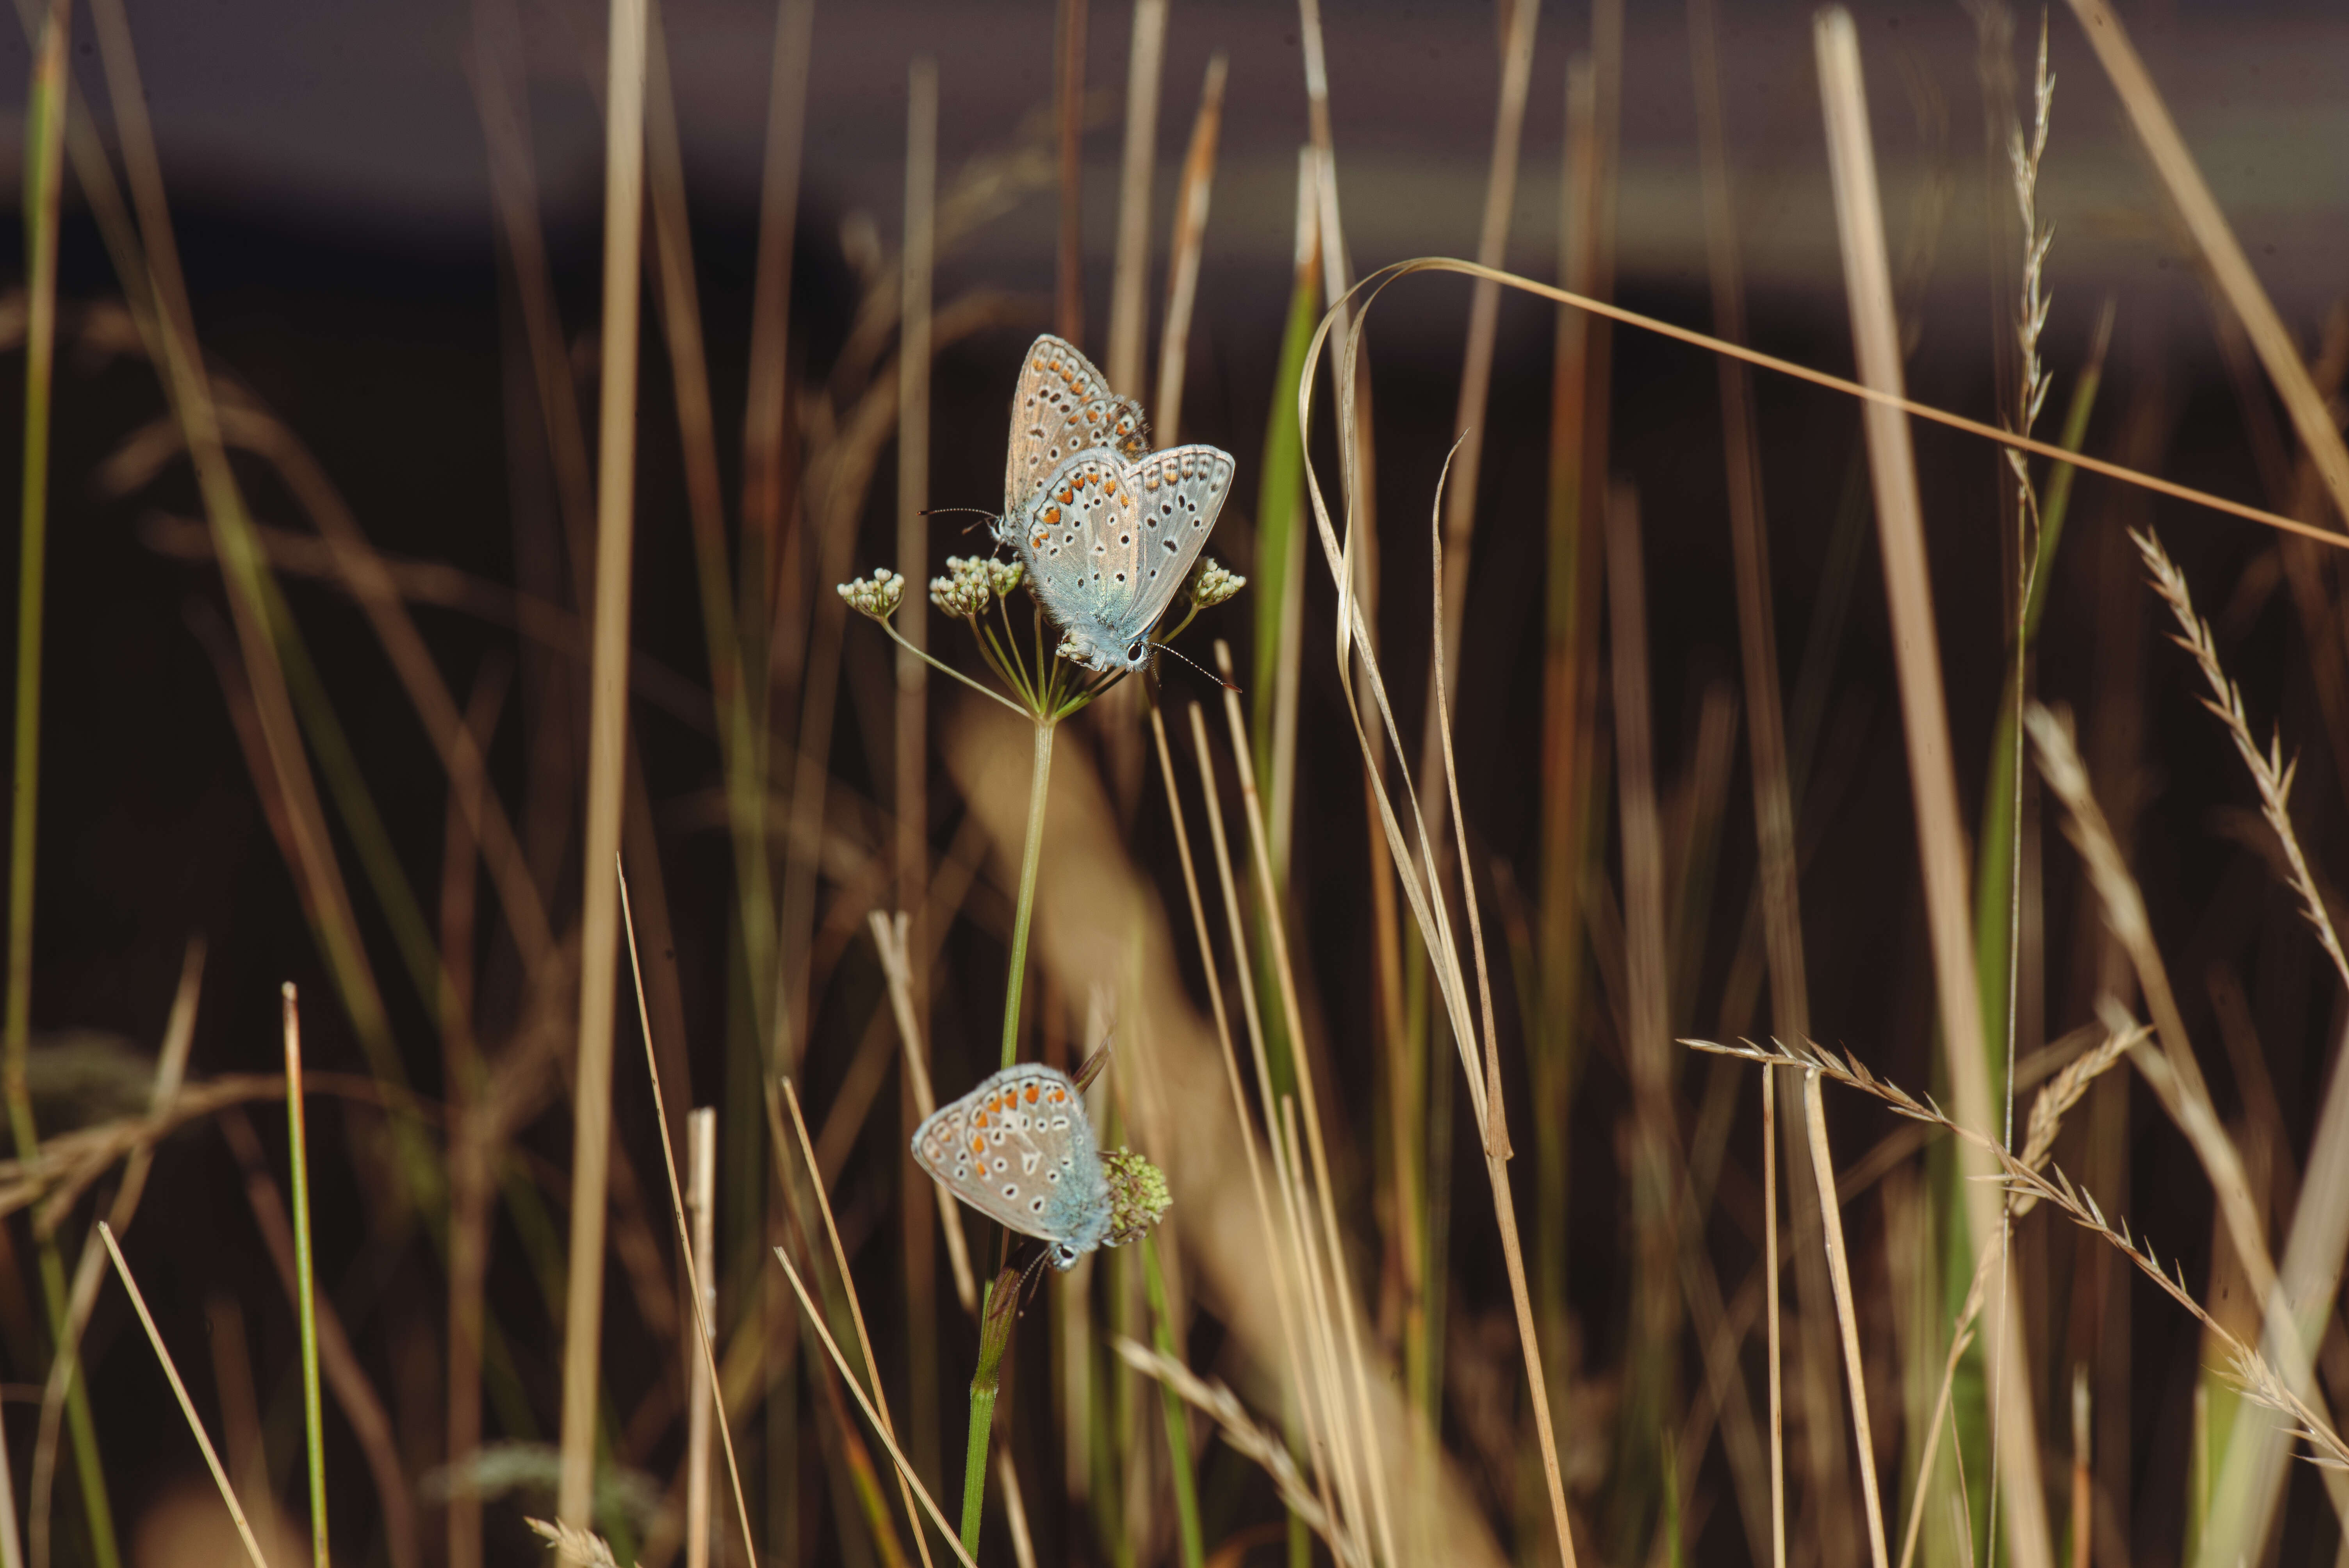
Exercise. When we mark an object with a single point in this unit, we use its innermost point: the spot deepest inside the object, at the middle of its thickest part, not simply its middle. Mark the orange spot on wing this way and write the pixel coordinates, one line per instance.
(979, 1146)
(1031, 1094)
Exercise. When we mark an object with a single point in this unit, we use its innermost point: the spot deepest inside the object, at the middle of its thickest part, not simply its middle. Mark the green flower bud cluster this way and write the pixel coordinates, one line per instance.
(1138, 1198)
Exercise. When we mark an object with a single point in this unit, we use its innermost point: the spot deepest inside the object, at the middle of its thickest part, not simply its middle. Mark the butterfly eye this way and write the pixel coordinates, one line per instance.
(1134, 654)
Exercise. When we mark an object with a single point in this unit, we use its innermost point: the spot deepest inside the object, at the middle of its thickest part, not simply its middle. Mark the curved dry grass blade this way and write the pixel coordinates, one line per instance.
(180, 1389)
(1385, 275)
(1484, 321)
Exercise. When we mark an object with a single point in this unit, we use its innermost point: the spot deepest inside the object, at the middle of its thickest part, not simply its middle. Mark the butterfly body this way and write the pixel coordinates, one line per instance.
(1020, 1150)
(1108, 530)
(1108, 545)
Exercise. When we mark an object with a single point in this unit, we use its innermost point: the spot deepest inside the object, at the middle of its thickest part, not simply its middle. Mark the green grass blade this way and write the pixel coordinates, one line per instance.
(44, 118)
(298, 1143)
(1178, 1427)
(999, 1315)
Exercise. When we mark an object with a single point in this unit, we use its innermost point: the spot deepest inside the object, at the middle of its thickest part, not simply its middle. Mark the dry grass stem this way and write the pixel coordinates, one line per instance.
(1314, 1270)
(905, 1471)
(1422, 886)
(170, 1072)
(1190, 238)
(1377, 281)
(890, 940)
(1310, 1389)
(704, 1327)
(701, 1205)
(2271, 774)
(1247, 1439)
(1069, 108)
(180, 1390)
(1484, 321)
(1015, 1511)
(2176, 1077)
(1773, 815)
(607, 755)
(1130, 270)
(765, 478)
(2060, 1094)
(2248, 1369)
(908, 1483)
(1302, 1057)
(1846, 1315)
(1941, 839)
(2320, 437)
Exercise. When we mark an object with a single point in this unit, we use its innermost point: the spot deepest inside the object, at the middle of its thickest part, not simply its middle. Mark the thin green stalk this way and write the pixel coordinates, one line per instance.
(996, 1316)
(1994, 880)
(300, 1154)
(1993, 875)
(1039, 781)
(1280, 560)
(45, 113)
(1179, 1424)
(43, 168)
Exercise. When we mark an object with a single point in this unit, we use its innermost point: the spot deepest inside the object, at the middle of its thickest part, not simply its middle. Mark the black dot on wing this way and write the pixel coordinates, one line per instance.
(1011, 1189)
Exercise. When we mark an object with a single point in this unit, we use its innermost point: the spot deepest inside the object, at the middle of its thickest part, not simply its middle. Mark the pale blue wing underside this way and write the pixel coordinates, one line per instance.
(1108, 547)
(1019, 1149)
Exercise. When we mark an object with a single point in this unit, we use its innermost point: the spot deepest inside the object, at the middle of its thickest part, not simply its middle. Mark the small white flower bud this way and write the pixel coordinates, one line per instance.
(878, 596)
(1211, 585)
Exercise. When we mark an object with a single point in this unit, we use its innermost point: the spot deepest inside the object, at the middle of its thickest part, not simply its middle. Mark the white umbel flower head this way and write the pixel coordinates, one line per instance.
(1211, 585)
(966, 589)
(1003, 576)
(878, 596)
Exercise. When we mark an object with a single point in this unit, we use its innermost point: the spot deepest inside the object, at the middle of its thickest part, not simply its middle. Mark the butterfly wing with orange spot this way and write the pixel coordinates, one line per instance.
(1007, 1147)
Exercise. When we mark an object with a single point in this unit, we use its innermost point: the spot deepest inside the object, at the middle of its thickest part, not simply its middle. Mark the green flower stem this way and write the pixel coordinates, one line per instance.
(1006, 662)
(947, 669)
(1039, 781)
(44, 111)
(997, 1315)
(313, 1421)
(1178, 1425)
